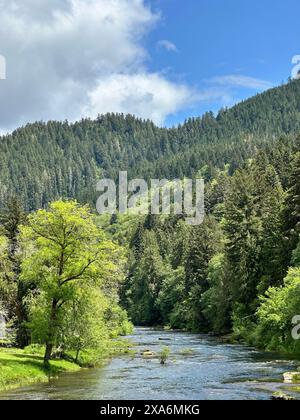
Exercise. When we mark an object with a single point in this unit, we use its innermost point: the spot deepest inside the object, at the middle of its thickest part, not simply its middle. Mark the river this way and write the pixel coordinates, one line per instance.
(199, 368)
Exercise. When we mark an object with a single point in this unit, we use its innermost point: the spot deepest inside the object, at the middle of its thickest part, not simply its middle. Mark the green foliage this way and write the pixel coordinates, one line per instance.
(7, 288)
(145, 284)
(275, 315)
(172, 293)
(296, 256)
(204, 242)
(216, 301)
(292, 210)
(164, 355)
(34, 349)
(75, 273)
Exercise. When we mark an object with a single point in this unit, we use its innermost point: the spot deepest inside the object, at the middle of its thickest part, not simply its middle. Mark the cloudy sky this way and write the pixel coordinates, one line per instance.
(158, 59)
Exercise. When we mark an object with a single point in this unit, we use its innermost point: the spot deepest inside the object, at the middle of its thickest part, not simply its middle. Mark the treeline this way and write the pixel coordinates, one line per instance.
(41, 162)
(237, 272)
(59, 281)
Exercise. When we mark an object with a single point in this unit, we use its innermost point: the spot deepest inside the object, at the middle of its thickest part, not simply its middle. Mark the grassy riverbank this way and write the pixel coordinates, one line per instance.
(20, 368)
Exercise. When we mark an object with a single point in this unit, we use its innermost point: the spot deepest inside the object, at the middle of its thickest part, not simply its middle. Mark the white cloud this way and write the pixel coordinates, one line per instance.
(167, 45)
(76, 58)
(235, 80)
(145, 95)
(64, 55)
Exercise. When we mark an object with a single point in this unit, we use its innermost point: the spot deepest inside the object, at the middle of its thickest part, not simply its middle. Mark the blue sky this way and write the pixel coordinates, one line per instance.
(216, 38)
(164, 60)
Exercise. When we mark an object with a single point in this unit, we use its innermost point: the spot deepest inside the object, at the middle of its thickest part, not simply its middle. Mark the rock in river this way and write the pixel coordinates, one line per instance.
(291, 378)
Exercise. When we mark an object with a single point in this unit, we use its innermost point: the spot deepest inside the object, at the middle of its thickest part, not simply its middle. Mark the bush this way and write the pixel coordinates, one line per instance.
(164, 355)
(34, 349)
(275, 315)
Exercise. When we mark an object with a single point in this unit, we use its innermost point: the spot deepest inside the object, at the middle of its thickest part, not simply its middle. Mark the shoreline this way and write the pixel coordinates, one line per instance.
(19, 369)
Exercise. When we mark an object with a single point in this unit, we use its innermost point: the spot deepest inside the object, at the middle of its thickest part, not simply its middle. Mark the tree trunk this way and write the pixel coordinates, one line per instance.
(22, 337)
(77, 356)
(51, 334)
(48, 352)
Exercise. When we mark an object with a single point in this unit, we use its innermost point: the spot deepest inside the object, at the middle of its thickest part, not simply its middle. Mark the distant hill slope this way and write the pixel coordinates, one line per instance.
(42, 162)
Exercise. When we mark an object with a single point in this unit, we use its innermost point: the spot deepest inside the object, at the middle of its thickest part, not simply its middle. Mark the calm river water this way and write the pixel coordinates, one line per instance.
(199, 368)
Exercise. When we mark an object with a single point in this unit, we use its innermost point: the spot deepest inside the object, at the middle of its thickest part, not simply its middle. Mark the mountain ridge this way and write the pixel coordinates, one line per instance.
(44, 161)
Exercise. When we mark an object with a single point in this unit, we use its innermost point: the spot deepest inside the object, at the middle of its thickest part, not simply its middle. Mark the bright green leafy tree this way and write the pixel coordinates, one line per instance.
(65, 253)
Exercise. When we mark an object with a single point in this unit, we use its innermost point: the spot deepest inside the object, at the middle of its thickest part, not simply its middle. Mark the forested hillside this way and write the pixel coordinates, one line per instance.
(43, 162)
(237, 272)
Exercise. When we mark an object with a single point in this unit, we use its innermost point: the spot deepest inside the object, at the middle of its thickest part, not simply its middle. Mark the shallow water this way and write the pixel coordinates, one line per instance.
(209, 370)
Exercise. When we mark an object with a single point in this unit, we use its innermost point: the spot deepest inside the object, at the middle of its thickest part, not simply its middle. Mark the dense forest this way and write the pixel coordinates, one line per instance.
(63, 267)
(237, 272)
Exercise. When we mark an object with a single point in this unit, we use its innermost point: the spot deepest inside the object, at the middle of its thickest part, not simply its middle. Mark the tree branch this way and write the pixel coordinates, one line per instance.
(77, 276)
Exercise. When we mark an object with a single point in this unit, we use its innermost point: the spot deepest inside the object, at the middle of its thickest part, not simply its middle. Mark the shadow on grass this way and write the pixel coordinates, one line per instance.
(34, 362)
(13, 362)
(27, 356)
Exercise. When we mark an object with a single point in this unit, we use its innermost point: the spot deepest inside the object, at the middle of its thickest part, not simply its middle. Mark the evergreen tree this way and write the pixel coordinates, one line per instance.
(204, 243)
(292, 211)
(243, 232)
(12, 216)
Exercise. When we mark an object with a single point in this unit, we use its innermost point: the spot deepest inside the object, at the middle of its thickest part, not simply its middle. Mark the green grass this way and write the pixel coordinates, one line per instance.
(18, 368)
